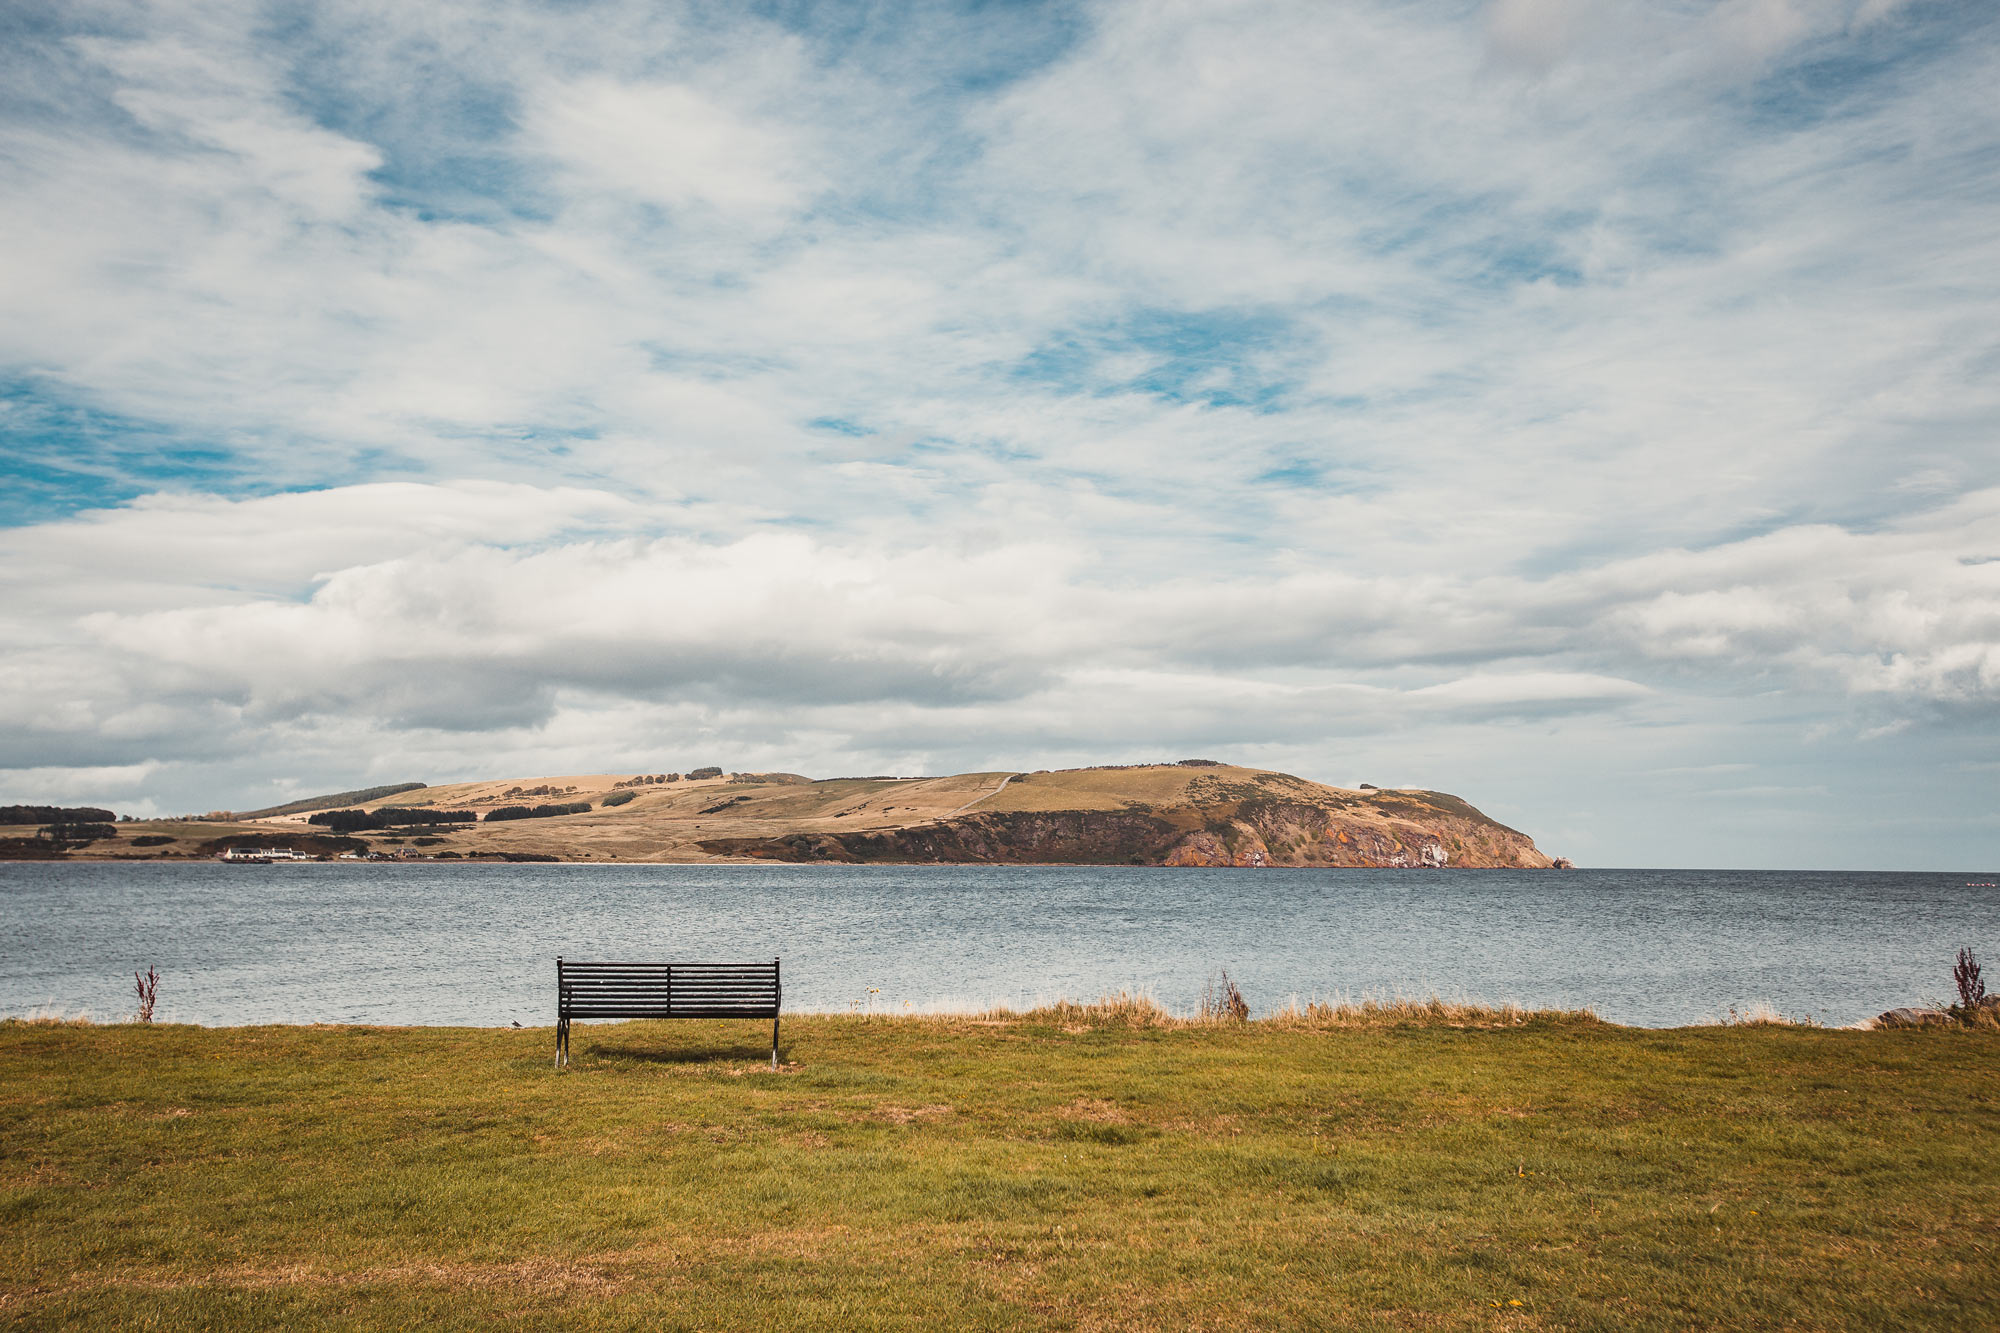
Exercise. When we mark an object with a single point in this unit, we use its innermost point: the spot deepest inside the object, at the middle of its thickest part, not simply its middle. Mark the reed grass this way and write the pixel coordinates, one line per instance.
(1140, 1010)
(1761, 1013)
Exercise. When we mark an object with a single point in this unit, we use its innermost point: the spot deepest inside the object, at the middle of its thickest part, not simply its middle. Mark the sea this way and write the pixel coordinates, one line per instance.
(476, 944)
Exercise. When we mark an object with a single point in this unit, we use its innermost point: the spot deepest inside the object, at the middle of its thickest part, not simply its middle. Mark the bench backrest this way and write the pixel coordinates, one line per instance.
(667, 990)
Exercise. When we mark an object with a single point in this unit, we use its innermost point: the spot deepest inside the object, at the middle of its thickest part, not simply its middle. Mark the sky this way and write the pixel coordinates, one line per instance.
(1588, 407)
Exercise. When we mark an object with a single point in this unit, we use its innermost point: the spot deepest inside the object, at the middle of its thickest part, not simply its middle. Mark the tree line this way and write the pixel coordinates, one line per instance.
(388, 816)
(536, 811)
(55, 814)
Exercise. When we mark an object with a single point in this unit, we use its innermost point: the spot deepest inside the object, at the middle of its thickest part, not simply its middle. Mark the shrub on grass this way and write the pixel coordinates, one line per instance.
(619, 798)
(1971, 985)
(1975, 1007)
(148, 985)
(1222, 1002)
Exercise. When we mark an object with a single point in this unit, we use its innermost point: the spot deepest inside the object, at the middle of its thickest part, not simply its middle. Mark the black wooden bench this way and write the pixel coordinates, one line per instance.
(665, 990)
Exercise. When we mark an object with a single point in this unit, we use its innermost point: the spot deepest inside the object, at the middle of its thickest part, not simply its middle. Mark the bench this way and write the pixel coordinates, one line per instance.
(665, 990)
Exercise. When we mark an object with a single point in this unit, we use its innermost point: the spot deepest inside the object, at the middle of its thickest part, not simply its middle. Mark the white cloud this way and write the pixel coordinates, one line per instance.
(174, 546)
(54, 784)
(1537, 34)
(424, 621)
(1532, 688)
(671, 145)
(1291, 374)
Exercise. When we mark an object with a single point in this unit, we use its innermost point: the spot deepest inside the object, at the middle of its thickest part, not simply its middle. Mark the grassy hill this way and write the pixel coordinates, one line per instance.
(339, 800)
(1151, 814)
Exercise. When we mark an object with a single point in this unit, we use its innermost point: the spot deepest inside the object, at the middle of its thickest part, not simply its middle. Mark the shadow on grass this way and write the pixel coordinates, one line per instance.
(702, 1055)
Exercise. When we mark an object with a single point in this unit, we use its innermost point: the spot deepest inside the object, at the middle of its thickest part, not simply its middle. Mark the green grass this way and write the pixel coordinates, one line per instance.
(1071, 1169)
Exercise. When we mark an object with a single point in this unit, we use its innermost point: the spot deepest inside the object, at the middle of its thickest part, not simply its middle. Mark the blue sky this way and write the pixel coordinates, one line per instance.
(1588, 408)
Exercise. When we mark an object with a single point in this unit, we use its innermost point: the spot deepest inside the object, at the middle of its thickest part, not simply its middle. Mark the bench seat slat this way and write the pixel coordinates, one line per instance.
(662, 1002)
(662, 995)
(719, 983)
(679, 995)
(725, 983)
(677, 1011)
(661, 985)
(658, 978)
(679, 979)
(666, 1010)
(692, 969)
(681, 983)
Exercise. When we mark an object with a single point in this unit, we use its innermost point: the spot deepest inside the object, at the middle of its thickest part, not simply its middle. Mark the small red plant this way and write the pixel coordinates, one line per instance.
(1971, 986)
(1222, 1002)
(149, 992)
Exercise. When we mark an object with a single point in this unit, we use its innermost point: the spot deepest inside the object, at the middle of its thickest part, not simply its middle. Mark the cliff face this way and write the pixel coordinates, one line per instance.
(1064, 837)
(1394, 830)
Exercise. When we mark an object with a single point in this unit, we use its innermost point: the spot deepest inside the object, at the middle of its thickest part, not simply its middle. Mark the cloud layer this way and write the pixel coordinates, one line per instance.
(1382, 390)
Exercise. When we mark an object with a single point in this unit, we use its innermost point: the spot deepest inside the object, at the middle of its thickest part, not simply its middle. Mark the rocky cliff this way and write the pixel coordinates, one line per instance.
(1245, 822)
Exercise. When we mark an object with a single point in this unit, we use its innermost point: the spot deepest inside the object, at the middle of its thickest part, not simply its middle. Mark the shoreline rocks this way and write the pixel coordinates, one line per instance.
(1910, 1017)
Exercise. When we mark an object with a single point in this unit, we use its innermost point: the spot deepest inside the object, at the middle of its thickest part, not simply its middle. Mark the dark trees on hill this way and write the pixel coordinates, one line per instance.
(536, 811)
(345, 821)
(54, 814)
(78, 833)
(399, 815)
(389, 816)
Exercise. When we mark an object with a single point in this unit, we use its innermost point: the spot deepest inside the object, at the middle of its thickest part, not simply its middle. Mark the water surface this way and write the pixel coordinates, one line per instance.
(476, 944)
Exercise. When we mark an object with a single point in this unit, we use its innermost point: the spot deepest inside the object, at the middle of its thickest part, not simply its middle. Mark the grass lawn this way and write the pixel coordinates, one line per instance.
(1056, 1171)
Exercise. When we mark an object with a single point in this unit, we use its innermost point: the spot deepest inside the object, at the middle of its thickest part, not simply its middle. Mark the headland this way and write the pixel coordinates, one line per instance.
(1188, 813)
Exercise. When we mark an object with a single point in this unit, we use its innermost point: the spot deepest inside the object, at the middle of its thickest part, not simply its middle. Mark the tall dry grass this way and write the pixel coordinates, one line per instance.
(1137, 1010)
(1222, 1002)
(147, 987)
(1759, 1014)
(49, 1018)
(1416, 1011)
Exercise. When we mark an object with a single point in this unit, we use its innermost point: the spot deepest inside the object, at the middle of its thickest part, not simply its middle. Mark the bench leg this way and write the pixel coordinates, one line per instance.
(562, 1042)
(774, 1041)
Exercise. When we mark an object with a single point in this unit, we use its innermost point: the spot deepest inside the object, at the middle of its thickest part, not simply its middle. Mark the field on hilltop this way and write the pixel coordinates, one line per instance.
(1194, 814)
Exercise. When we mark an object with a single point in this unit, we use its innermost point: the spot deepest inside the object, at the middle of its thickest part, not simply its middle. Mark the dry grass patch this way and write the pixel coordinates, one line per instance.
(1429, 1011)
(1128, 1010)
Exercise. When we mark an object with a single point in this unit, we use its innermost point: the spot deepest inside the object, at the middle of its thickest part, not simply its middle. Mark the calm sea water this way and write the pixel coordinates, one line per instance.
(476, 944)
